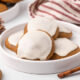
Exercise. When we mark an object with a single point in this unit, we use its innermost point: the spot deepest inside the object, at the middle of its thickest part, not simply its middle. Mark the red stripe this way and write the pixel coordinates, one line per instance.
(61, 13)
(59, 5)
(34, 4)
(49, 14)
(30, 10)
(53, 2)
(31, 15)
(77, 4)
(70, 5)
(40, 15)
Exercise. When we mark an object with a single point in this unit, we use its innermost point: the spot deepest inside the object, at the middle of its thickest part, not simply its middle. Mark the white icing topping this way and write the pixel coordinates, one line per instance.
(64, 46)
(14, 38)
(64, 29)
(34, 45)
(47, 24)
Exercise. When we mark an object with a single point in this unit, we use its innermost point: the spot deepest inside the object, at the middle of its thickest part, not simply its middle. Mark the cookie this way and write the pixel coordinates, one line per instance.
(0, 75)
(2, 27)
(35, 45)
(10, 1)
(12, 41)
(3, 7)
(64, 32)
(25, 29)
(42, 23)
(64, 48)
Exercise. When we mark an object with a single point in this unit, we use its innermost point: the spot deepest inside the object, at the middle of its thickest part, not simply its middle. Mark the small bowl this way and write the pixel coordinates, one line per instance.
(40, 67)
(10, 13)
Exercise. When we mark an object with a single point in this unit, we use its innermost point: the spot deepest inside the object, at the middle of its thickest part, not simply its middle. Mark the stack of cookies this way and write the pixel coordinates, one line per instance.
(42, 39)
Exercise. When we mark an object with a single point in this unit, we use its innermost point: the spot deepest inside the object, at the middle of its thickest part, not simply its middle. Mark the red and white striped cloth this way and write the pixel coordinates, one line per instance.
(64, 10)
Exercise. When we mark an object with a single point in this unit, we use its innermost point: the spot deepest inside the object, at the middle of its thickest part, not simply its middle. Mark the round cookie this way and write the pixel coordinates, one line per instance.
(64, 48)
(46, 24)
(35, 45)
(10, 1)
(12, 41)
(1, 74)
(25, 29)
(3, 7)
(64, 32)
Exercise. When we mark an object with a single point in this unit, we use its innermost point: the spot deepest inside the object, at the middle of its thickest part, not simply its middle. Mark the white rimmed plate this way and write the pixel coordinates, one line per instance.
(39, 67)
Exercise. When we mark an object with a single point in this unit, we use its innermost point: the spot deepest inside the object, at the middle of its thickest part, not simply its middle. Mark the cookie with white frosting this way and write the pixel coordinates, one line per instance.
(64, 48)
(12, 41)
(64, 32)
(35, 45)
(46, 24)
(25, 29)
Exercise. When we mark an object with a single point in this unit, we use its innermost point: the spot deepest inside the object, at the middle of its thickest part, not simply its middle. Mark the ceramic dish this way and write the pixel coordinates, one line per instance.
(10, 13)
(39, 67)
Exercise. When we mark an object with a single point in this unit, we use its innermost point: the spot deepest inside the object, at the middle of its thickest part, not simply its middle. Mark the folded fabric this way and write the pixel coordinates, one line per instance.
(64, 10)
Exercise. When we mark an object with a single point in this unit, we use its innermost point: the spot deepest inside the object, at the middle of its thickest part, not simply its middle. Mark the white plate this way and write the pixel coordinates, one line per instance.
(40, 67)
(10, 13)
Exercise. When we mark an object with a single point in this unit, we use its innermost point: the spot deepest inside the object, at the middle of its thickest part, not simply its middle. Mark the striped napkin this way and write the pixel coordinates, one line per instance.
(63, 10)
